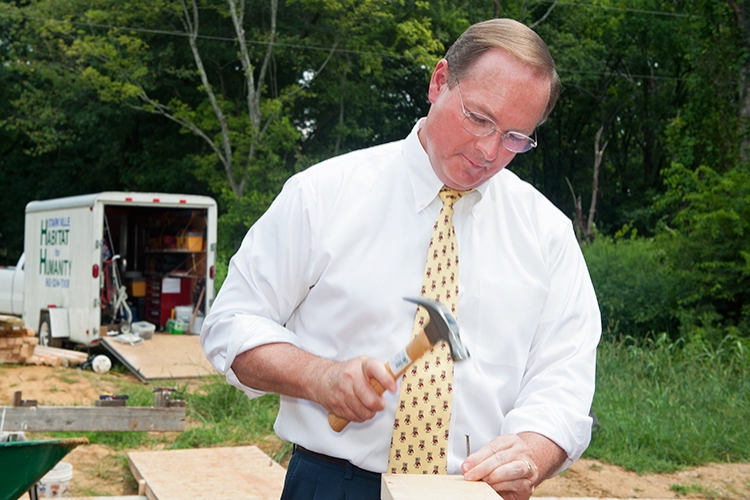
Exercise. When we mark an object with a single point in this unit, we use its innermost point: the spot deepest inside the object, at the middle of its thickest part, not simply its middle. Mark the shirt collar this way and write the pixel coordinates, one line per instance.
(425, 184)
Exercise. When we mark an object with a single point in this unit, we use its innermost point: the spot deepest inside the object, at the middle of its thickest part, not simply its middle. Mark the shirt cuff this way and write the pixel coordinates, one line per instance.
(249, 332)
(569, 431)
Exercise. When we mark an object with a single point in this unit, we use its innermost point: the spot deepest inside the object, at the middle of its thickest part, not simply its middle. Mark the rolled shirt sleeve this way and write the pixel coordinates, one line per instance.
(558, 383)
(264, 284)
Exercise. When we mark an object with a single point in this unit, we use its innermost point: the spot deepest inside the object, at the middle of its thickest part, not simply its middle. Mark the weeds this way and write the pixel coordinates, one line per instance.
(67, 379)
(662, 405)
(697, 489)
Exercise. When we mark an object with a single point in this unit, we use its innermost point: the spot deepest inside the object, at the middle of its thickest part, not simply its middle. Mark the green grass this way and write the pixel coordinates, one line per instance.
(227, 417)
(696, 489)
(663, 405)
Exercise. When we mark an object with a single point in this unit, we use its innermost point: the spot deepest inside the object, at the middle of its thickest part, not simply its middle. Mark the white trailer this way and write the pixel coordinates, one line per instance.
(161, 246)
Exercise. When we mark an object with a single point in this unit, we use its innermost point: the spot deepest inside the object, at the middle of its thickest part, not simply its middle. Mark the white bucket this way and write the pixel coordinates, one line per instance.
(183, 313)
(56, 483)
(197, 324)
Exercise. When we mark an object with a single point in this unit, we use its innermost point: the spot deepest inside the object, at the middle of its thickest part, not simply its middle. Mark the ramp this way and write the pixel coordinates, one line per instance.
(164, 356)
(242, 472)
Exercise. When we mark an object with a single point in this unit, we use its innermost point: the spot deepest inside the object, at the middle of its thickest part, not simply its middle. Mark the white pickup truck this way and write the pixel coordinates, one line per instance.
(11, 288)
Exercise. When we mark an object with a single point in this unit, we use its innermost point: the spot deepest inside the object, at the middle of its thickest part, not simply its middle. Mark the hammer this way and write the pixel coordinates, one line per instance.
(441, 326)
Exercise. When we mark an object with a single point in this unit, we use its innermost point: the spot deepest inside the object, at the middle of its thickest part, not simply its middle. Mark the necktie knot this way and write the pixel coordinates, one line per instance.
(451, 196)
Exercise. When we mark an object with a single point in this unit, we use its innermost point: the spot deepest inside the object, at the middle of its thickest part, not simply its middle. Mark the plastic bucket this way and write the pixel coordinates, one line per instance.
(197, 324)
(56, 483)
(183, 314)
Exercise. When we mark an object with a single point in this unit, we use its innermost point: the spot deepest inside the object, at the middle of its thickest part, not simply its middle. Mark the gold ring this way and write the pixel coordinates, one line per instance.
(528, 464)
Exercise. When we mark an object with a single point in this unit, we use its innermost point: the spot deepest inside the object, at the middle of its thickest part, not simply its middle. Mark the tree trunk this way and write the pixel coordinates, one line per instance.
(598, 156)
(579, 225)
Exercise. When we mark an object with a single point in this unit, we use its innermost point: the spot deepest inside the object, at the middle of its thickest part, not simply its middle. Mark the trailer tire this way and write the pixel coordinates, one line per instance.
(45, 332)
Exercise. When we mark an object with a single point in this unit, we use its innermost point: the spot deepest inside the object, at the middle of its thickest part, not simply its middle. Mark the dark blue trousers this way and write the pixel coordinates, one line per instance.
(311, 477)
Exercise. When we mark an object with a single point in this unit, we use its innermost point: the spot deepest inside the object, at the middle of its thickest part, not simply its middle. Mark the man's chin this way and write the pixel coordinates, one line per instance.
(465, 181)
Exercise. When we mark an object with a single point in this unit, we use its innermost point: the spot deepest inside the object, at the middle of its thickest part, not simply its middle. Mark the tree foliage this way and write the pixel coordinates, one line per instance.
(230, 97)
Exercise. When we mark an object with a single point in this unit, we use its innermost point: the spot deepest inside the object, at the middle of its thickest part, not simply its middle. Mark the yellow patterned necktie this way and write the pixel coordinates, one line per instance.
(419, 443)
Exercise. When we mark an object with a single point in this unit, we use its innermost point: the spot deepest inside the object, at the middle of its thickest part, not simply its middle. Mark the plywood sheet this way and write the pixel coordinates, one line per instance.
(163, 356)
(431, 487)
(242, 472)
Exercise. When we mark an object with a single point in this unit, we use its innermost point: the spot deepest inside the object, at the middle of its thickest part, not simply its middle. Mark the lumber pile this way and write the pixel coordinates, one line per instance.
(54, 356)
(17, 343)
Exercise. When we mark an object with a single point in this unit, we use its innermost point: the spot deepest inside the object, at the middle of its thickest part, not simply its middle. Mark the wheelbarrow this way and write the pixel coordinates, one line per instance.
(24, 463)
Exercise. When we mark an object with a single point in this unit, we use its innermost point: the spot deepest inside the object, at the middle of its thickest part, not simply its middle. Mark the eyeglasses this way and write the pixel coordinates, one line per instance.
(482, 126)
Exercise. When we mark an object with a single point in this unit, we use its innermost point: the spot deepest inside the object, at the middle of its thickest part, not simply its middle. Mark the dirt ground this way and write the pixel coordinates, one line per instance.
(100, 470)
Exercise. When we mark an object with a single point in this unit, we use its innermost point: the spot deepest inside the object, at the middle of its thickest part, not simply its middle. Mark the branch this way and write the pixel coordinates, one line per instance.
(191, 27)
(161, 109)
(318, 71)
(598, 155)
(253, 92)
(253, 96)
(271, 40)
(546, 14)
(578, 225)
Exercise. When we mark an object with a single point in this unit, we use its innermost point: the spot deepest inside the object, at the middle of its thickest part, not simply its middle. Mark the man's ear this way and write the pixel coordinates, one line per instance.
(438, 80)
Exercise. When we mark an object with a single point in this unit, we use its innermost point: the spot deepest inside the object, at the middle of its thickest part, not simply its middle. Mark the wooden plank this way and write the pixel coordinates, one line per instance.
(92, 418)
(164, 356)
(208, 473)
(433, 487)
(73, 357)
(10, 321)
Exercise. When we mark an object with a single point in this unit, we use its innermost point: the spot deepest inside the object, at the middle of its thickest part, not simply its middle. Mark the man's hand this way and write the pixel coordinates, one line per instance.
(342, 388)
(514, 464)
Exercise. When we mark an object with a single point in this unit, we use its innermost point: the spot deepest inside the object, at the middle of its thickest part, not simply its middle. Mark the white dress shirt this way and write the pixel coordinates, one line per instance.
(328, 264)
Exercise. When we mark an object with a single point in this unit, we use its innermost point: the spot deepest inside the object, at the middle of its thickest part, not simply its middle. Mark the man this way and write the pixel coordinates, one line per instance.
(312, 305)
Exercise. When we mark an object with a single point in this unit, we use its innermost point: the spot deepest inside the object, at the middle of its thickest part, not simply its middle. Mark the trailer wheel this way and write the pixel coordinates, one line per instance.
(45, 332)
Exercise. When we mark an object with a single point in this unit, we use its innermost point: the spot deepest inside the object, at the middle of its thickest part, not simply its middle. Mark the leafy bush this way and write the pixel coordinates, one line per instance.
(636, 290)
(707, 241)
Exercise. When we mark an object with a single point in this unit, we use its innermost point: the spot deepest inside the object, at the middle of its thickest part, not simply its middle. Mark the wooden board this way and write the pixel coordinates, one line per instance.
(10, 321)
(92, 418)
(431, 487)
(164, 356)
(242, 472)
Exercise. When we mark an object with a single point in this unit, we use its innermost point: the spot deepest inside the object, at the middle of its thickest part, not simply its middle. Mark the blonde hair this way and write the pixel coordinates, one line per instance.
(508, 35)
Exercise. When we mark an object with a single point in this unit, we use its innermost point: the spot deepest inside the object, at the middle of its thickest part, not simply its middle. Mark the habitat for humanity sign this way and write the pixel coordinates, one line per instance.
(54, 263)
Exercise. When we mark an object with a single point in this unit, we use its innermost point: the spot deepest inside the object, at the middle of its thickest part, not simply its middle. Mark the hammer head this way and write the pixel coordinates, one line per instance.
(442, 326)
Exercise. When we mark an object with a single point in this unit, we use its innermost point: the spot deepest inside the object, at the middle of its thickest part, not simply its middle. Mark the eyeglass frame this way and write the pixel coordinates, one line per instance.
(532, 143)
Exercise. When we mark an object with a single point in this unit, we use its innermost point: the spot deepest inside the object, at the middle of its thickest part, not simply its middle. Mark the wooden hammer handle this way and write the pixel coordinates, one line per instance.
(396, 367)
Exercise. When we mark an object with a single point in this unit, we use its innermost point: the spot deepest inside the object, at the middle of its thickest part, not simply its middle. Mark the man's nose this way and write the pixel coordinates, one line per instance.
(490, 146)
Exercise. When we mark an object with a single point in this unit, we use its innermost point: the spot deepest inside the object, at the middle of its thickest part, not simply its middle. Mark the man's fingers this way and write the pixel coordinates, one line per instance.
(481, 463)
(375, 369)
(514, 480)
(350, 395)
(517, 470)
(505, 464)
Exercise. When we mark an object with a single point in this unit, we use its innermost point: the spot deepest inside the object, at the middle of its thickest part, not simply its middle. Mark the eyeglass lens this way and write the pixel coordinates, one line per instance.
(480, 126)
